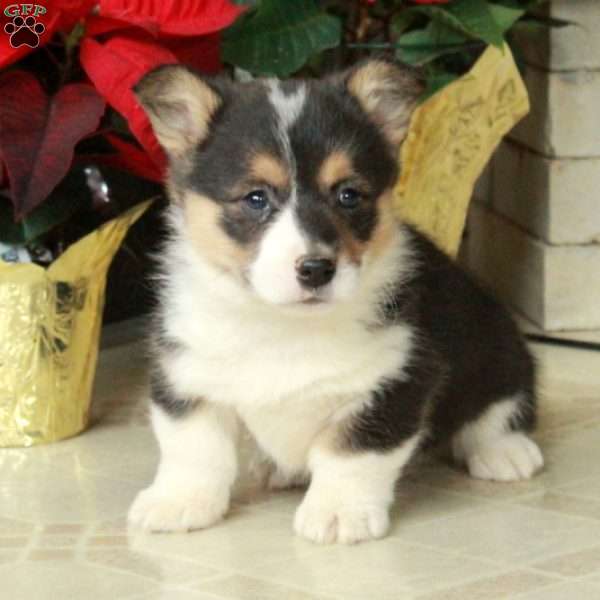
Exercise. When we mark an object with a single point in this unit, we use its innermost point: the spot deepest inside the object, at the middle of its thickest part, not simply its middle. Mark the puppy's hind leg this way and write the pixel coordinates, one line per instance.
(495, 447)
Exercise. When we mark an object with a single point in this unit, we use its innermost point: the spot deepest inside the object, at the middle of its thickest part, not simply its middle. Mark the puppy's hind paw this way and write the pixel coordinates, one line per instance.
(511, 457)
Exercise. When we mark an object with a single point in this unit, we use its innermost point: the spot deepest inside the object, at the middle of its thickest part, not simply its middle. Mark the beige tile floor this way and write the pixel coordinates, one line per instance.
(63, 534)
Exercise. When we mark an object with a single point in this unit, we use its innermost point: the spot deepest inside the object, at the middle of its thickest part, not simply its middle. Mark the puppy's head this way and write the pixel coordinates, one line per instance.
(285, 185)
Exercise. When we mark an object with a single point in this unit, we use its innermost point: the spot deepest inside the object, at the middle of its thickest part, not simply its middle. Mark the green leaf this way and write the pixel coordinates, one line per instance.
(68, 197)
(476, 18)
(441, 16)
(546, 21)
(504, 16)
(279, 36)
(403, 20)
(471, 23)
(524, 4)
(423, 45)
(437, 82)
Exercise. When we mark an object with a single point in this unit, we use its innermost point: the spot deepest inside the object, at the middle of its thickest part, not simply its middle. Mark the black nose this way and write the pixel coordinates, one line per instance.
(315, 272)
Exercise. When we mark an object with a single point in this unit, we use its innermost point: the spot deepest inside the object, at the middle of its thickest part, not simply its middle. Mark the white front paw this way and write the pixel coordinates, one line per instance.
(159, 509)
(349, 523)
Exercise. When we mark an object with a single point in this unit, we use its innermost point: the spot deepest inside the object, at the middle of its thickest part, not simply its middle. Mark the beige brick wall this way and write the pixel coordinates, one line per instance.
(566, 48)
(534, 229)
(555, 199)
(565, 116)
(557, 287)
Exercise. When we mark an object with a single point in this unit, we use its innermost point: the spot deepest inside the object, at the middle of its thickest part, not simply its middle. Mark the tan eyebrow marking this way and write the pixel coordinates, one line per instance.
(335, 168)
(266, 167)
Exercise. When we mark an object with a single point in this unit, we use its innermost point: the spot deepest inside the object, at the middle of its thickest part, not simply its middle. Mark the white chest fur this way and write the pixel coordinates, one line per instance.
(286, 374)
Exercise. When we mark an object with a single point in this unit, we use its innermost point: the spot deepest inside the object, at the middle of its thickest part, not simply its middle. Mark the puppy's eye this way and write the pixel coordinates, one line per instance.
(349, 197)
(257, 200)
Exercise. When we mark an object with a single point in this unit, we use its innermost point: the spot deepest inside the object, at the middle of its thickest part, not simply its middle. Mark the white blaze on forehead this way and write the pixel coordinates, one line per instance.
(287, 106)
(273, 272)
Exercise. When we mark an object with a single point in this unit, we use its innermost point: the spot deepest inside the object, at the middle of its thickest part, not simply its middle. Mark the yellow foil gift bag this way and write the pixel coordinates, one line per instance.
(451, 138)
(50, 322)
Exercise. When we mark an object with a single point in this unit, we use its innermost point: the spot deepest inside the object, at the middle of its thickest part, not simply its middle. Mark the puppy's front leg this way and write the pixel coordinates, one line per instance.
(198, 466)
(356, 462)
(351, 492)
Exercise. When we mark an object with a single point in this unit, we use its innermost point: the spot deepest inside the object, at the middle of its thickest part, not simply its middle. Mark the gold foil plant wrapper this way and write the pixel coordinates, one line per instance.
(451, 138)
(50, 322)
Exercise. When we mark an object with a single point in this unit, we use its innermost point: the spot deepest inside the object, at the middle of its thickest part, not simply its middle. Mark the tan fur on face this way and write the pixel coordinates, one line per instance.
(204, 230)
(335, 168)
(381, 238)
(385, 230)
(269, 169)
(386, 227)
(350, 247)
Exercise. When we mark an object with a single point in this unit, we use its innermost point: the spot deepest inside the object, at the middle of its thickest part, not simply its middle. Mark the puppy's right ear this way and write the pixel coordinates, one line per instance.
(179, 105)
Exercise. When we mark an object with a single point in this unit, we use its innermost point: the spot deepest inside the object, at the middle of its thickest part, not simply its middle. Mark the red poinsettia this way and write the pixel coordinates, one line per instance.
(122, 40)
(137, 41)
(130, 37)
(38, 137)
(114, 67)
(171, 17)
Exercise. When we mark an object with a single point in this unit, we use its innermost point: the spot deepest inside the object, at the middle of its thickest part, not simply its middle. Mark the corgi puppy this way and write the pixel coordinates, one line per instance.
(296, 306)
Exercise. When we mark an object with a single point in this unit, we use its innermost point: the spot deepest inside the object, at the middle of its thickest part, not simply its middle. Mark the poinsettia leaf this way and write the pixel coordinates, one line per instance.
(505, 16)
(202, 53)
(130, 158)
(520, 4)
(69, 196)
(114, 68)
(278, 37)
(436, 13)
(477, 19)
(402, 20)
(72, 12)
(421, 46)
(437, 82)
(176, 17)
(544, 21)
(38, 134)
(95, 26)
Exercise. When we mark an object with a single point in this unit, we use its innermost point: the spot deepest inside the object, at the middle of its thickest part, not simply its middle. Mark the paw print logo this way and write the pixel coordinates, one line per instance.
(24, 32)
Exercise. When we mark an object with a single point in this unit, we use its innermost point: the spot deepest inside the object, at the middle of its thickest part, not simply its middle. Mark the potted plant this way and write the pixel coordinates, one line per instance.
(69, 129)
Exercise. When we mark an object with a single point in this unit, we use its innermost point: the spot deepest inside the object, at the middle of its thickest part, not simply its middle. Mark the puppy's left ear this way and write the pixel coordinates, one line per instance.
(180, 106)
(388, 93)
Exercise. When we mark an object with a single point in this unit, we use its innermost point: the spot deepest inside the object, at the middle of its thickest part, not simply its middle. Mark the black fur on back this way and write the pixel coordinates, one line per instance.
(469, 354)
